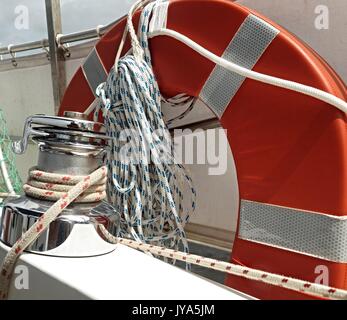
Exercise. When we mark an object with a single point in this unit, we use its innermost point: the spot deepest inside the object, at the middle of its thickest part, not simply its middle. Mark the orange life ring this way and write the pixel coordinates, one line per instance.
(290, 150)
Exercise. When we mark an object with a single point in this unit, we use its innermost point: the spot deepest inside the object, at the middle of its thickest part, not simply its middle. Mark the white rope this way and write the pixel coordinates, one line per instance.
(315, 289)
(148, 194)
(144, 183)
(85, 183)
(176, 101)
(278, 82)
(53, 186)
(131, 104)
(42, 223)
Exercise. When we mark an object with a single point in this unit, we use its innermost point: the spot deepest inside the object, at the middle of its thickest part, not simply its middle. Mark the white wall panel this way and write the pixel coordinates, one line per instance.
(23, 92)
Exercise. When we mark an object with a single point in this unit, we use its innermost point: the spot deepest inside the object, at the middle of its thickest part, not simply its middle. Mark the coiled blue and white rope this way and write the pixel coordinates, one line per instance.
(145, 184)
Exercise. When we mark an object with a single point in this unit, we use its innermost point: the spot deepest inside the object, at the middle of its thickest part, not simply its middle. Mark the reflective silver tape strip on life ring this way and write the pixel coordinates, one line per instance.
(312, 233)
(245, 49)
(94, 70)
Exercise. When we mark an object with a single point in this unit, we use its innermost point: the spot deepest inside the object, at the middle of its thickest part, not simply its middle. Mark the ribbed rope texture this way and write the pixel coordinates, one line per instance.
(41, 225)
(154, 195)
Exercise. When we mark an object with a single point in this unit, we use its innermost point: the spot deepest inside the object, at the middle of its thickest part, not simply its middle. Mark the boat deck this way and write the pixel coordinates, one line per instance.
(208, 252)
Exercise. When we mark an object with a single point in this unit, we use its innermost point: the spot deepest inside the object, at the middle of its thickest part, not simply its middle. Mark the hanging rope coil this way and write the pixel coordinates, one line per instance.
(148, 192)
(145, 184)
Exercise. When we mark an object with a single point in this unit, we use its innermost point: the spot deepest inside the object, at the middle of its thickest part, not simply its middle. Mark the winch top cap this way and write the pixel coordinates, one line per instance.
(37, 125)
(74, 123)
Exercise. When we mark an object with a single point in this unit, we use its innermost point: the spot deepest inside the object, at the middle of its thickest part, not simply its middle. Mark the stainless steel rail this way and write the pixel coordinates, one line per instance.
(87, 34)
(24, 47)
(63, 39)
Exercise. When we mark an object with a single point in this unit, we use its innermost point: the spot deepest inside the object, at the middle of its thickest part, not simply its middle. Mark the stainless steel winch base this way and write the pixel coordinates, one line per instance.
(21, 213)
(69, 145)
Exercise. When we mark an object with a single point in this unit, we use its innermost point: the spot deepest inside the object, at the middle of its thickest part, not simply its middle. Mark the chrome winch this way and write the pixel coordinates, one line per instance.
(70, 145)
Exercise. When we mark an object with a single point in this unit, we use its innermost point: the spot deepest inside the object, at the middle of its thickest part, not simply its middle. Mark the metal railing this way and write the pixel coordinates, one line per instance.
(63, 39)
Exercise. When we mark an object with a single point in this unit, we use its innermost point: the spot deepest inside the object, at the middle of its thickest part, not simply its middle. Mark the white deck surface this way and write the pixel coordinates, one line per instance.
(122, 274)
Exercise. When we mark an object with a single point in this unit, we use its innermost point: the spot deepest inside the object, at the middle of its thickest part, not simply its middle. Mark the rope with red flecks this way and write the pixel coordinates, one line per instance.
(314, 289)
(53, 186)
(92, 182)
(83, 183)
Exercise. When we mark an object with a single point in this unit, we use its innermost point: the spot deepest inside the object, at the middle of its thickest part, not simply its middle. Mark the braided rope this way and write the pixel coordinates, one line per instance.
(297, 285)
(89, 182)
(53, 186)
(40, 226)
(145, 184)
(131, 97)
